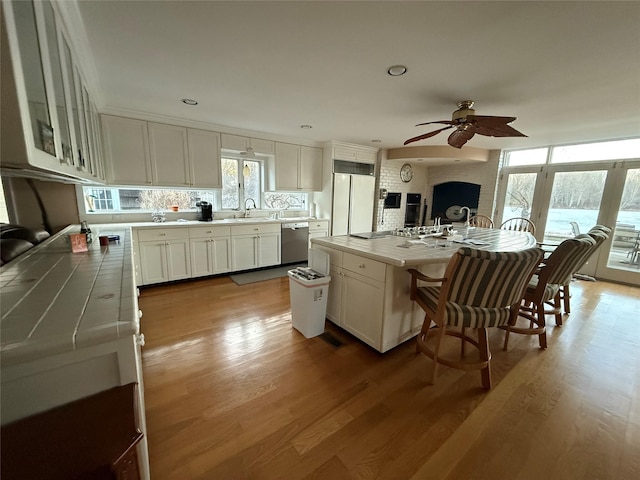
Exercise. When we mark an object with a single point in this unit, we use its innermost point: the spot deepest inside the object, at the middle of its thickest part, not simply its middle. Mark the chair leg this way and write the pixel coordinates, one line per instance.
(556, 306)
(436, 350)
(566, 298)
(462, 343)
(485, 354)
(426, 323)
(541, 324)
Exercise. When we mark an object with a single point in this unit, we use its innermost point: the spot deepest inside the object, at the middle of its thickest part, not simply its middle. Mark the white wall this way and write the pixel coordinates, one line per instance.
(483, 173)
(389, 178)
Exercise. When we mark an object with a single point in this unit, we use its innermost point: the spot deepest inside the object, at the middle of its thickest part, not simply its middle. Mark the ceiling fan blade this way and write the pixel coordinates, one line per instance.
(426, 135)
(444, 122)
(461, 136)
(498, 131)
(489, 120)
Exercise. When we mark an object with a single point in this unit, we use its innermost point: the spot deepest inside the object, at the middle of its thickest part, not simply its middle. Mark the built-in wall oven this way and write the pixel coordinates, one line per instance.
(412, 212)
(294, 242)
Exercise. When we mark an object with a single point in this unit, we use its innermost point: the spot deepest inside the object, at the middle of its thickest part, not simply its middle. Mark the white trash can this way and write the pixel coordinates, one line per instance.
(308, 289)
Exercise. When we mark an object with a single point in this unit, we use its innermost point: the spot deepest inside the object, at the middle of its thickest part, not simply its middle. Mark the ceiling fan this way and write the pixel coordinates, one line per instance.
(467, 124)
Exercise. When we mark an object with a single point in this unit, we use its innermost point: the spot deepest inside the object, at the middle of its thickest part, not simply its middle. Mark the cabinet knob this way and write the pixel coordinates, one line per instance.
(361, 265)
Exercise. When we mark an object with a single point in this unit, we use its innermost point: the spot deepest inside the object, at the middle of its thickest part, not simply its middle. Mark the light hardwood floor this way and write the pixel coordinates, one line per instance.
(233, 392)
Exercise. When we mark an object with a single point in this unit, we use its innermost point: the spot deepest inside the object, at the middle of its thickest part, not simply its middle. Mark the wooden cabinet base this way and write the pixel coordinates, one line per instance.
(91, 438)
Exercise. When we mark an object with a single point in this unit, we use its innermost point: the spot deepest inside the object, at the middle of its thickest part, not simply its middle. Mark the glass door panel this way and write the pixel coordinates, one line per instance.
(625, 245)
(73, 100)
(30, 57)
(58, 85)
(519, 196)
(574, 204)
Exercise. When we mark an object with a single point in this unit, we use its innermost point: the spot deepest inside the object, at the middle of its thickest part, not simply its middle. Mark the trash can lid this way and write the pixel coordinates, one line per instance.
(319, 261)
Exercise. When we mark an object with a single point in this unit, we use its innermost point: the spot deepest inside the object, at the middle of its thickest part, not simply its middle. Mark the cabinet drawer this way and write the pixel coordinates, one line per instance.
(151, 234)
(209, 231)
(365, 266)
(255, 228)
(318, 225)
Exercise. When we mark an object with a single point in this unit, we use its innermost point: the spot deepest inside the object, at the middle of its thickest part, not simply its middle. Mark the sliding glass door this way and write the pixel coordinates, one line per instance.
(576, 188)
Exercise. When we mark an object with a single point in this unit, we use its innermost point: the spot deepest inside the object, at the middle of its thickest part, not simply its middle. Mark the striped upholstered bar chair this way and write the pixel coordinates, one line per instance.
(479, 290)
(544, 288)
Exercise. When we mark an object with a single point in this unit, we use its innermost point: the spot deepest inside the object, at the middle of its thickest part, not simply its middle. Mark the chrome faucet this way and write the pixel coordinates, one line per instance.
(247, 210)
(466, 224)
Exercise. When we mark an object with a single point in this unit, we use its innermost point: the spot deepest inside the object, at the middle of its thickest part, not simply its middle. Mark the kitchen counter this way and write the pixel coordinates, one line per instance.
(401, 252)
(53, 300)
(224, 221)
(70, 326)
(369, 290)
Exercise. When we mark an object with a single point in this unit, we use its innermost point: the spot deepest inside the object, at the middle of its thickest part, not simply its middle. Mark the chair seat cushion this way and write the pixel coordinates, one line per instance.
(463, 315)
(550, 290)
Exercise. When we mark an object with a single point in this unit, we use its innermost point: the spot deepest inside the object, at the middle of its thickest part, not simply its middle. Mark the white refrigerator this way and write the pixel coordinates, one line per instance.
(353, 199)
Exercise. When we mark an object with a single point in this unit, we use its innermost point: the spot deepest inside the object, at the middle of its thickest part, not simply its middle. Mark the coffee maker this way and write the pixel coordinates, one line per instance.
(204, 211)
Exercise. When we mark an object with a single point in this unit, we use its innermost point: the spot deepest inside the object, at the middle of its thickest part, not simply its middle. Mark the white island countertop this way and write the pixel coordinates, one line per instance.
(54, 301)
(411, 252)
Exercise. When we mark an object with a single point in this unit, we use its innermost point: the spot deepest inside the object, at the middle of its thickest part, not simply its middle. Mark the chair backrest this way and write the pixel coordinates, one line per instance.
(601, 228)
(481, 221)
(597, 233)
(565, 260)
(575, 228)
(480, 278)
(519, 224)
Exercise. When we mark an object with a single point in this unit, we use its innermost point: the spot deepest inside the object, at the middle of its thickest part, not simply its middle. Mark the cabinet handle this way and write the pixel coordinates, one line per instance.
(163, 234)
(209, 231)
(140, 339)
(256, 229)
(139, 313)
(361, 265)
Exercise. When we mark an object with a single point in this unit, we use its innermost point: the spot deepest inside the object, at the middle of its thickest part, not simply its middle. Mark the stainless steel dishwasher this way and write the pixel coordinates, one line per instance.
(294, 243)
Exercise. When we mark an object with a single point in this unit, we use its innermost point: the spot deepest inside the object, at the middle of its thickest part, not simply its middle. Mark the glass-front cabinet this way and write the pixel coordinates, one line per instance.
(50, 124)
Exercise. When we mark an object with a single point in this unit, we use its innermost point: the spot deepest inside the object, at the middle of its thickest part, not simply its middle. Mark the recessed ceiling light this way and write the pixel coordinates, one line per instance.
(397, 70)
(306, 127)
(189, 101)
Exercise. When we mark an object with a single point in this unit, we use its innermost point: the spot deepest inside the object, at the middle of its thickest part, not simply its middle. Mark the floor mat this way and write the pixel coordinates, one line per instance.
(262, 275)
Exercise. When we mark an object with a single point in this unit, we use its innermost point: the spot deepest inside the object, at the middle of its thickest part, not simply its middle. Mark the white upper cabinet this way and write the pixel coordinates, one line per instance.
(354, 153)
(310, 168)
(241, 144)
(126, 149)
(297, 167)
(169, 155)
(204, 158)
(42, 131)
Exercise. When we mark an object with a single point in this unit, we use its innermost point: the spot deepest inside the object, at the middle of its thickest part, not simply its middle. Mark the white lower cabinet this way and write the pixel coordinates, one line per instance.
(254, 246)
(370, 299)
(317, 229)
(210, 250)
(164, 255)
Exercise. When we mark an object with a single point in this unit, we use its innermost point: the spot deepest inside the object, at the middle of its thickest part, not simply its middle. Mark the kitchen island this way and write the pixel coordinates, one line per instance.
(369, 290)
(70, 326)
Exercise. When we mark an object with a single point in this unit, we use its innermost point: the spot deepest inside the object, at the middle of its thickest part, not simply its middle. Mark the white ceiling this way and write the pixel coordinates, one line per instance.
(569, 71)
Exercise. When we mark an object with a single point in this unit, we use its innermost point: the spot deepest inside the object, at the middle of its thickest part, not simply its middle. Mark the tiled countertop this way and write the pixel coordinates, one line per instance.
(53, 300)
(396, 251)
(224, 221)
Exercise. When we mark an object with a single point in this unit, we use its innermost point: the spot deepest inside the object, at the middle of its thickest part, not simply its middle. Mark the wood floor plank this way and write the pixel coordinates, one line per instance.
(232, 391)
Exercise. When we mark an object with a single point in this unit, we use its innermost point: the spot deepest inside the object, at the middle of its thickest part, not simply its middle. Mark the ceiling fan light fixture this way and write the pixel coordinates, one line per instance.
(396, 70)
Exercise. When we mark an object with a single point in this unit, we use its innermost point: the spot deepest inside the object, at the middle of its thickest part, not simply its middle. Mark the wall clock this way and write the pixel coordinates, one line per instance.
(406, 172)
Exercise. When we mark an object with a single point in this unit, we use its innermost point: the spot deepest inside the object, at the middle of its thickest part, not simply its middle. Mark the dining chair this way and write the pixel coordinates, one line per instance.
(544, 287)
(481, 221)
(519, 224)
(599, 233)
(480, 289)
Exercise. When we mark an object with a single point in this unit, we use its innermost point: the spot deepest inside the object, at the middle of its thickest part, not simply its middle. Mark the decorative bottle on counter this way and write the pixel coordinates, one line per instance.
(84, 228)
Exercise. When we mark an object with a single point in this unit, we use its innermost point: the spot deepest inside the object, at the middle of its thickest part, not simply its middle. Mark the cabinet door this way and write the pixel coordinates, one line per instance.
(362, 307)
(317, 234)
(269, 249)
(126, 148)
(153, 262)
(221, 254)
(311, 168)
(201, 257)
(262, 146)
(234, 142)
(204, 158)
(244, 252)
(178, 261)
(168, 149)
(286, 161)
